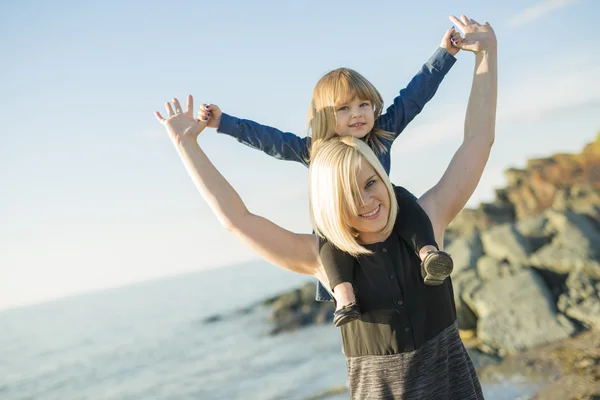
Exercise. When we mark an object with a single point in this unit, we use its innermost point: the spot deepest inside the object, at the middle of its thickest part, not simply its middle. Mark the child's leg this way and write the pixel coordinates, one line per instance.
(339, 267)
(344, 295)
(346, 308)
(415, 228)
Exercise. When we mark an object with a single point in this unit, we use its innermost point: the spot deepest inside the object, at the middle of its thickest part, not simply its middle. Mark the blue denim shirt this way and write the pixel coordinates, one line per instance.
(288, 146)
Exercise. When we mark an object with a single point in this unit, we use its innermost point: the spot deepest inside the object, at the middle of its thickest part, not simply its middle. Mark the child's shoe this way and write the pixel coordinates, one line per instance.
(436, 267)
(346, 314)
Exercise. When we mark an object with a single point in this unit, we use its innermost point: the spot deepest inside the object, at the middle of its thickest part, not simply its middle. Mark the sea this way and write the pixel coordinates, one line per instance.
(161, 340)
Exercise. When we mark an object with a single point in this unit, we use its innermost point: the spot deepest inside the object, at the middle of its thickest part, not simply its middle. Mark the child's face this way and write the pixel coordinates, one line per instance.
(374, 211)
(354, 118)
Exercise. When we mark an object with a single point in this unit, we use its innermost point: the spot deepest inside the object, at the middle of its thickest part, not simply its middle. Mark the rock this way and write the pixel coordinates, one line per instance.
(481, 359)
(489, 268)
(571, 387)
(572, 366)
(465, 251)
(581, 301)
(464, 284)
(535, 230)
(504, 242)
(575, 245)
(516, 314)
(298, 308)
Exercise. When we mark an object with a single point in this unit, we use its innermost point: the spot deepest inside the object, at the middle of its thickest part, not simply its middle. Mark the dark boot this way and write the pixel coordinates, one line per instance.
(346, 314)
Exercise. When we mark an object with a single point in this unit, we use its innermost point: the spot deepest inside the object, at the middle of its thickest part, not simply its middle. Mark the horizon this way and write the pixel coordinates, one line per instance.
(182, 274)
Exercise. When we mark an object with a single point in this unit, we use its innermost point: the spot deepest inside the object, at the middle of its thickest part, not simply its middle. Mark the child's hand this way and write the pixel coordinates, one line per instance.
(477, 37)
(450, 41)
(181, 125)
(210, 113)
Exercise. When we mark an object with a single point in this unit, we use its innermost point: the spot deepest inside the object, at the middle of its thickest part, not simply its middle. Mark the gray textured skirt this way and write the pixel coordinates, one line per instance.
(440, 369)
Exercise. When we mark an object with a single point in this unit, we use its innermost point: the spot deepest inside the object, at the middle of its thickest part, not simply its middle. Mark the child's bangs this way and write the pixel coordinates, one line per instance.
(350, 86)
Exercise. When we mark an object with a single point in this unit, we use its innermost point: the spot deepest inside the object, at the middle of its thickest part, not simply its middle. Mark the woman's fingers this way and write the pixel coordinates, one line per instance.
(464, 19)
(457, 22)
(190, 104)
(170, 112)
(178, 109)
(159, 117)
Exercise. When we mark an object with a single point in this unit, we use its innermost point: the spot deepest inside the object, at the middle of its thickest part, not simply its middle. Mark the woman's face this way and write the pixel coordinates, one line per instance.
(374, 210)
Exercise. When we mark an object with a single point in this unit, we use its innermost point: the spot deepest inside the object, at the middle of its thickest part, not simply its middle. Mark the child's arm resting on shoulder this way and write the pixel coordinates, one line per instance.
(420, 89)
(272, 141)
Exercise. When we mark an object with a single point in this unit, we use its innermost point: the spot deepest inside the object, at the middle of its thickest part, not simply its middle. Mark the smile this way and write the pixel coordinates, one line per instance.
(371, 214)
(358, 125)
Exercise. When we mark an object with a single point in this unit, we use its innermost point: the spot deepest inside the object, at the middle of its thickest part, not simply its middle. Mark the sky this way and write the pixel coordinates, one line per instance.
(93, 194)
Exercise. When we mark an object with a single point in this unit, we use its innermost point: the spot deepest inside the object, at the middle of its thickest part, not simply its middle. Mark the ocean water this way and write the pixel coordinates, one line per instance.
(151, 341)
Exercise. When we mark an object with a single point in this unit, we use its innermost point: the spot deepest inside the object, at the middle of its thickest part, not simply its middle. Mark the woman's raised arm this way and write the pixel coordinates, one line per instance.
(288, 250)
(448, 197)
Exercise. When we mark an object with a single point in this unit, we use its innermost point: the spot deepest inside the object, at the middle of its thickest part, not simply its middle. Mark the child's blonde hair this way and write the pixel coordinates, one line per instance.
(334, 192)
(340, 85)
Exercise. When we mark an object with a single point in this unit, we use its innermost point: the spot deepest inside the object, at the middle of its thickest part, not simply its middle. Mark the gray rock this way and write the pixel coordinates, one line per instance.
(535, 230)
(465, 251)
(517, 313)
(581, 301)
(464, 283)
(489, 268)
(504, 242)
(533, 227)
(575, 245)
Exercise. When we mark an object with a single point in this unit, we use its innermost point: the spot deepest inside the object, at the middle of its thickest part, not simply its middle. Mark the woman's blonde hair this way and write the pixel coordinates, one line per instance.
(335, 194)
(340, 85)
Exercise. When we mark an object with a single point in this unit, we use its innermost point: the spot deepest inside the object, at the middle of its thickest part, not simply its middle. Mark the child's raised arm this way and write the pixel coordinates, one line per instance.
(420, 89)
(272, 141)
(288, 250)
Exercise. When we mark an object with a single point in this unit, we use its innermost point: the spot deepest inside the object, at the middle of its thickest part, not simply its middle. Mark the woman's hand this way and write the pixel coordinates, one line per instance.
(477, 37)
(181, 125)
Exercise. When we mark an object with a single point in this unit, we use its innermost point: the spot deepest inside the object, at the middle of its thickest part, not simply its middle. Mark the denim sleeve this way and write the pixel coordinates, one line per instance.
(419, 91)
(278, 144)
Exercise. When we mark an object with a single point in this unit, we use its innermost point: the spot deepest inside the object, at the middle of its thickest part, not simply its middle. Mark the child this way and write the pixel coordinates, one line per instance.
(344, 103)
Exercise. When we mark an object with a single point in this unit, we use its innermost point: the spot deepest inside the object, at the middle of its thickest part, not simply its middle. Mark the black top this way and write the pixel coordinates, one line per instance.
(399, 312)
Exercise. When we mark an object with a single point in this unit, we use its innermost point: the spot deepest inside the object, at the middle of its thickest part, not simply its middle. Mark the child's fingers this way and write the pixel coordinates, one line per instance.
(203, 113)
(456, 38)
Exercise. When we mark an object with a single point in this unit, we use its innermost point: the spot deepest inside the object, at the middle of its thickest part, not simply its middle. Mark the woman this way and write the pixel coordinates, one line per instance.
(406, 344)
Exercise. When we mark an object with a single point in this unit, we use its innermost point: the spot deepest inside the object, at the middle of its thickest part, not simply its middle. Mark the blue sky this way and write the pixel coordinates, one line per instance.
(93, 194)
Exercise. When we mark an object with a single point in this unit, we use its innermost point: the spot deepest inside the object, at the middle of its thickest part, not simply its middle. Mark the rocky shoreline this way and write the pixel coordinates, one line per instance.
(526, 277)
